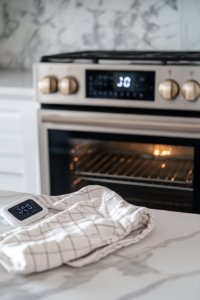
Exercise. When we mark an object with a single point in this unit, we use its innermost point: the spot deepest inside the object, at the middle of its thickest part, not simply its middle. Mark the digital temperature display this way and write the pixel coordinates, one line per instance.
(25, 209)
(127, 85)
(124, 81)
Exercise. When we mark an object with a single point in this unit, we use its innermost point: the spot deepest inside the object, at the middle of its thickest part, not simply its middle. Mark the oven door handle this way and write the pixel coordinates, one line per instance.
(123, 121)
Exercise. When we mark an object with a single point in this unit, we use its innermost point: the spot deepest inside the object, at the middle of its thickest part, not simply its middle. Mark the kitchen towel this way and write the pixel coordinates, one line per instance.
(79, 229)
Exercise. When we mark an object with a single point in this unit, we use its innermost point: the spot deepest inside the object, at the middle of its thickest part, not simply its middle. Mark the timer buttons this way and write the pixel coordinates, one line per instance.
(168, 89)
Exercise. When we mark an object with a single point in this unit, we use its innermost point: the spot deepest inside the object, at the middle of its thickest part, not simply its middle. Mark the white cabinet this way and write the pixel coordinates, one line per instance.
(19, 158)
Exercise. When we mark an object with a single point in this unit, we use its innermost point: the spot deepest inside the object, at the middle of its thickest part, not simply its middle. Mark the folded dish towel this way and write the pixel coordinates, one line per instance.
(80, 228)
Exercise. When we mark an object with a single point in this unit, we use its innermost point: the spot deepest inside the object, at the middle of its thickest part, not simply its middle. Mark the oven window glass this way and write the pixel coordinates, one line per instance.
(146, 174)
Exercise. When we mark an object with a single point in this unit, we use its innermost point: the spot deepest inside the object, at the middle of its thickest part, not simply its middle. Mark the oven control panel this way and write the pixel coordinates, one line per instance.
(129, 85)
(118, 85)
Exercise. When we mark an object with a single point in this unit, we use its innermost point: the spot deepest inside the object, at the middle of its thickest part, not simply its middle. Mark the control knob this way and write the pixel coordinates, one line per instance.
(168, 89)
(67, 85)
(48, 85)
(191, 90)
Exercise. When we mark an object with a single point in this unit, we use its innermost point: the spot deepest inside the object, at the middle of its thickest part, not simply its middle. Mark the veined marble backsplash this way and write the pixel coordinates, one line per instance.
(29, 29)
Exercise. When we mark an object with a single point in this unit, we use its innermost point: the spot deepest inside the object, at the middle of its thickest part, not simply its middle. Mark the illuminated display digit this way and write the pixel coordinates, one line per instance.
(19, 211)
(127, 82)
(24, 208)
(28, 206)
(120, 83)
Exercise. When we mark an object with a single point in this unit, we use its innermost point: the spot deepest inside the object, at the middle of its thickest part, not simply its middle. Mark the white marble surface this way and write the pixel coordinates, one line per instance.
(165, 265)
(29, 29)
(16, 84)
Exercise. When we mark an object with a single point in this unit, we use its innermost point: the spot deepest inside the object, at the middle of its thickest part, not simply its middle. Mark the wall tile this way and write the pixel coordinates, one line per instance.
(29, 29)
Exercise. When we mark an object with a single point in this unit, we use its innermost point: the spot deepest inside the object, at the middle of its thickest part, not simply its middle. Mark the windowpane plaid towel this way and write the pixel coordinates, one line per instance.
(79, 229)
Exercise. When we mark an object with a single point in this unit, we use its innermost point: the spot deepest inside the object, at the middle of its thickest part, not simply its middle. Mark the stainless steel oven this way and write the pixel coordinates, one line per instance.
(130, 139)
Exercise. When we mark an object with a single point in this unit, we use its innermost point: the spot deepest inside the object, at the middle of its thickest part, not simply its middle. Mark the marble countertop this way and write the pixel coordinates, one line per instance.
(16, 84)
(164, 265)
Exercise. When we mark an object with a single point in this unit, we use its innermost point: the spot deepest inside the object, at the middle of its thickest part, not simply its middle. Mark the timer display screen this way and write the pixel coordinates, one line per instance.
(125, 85)
(25, 209)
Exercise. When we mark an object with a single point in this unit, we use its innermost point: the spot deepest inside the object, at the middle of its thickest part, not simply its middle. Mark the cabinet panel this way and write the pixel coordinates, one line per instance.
(10, 143)
(11, 165)
(11, 182)
(19, 159)
(9, 120)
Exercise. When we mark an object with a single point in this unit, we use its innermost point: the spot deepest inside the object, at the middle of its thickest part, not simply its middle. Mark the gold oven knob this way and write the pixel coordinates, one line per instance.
(48, 85)
(168, 89)
(67, 85)
(191, 90)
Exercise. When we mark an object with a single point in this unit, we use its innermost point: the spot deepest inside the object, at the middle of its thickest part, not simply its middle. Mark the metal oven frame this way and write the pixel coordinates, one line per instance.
(145, 128)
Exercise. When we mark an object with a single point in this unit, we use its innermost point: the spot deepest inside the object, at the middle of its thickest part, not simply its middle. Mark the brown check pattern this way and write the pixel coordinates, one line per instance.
(80, 228)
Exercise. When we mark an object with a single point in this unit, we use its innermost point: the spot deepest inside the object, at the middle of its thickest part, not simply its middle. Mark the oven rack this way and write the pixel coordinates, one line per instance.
(153, 198)
(133, 169)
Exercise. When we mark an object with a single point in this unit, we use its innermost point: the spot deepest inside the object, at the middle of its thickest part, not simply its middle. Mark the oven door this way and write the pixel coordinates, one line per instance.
(150, 161)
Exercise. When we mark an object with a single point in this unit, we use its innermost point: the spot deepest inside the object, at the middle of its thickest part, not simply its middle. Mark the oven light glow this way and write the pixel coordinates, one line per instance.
(163, 166)
(75, 182)
(172, 179)
(75, 158)
(156, 152)
(163, 153)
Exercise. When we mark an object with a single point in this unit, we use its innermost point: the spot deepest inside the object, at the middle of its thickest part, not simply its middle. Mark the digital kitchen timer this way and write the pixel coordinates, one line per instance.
(23, 212)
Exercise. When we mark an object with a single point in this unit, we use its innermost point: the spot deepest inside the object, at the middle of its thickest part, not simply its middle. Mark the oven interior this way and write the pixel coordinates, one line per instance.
(146, 174)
